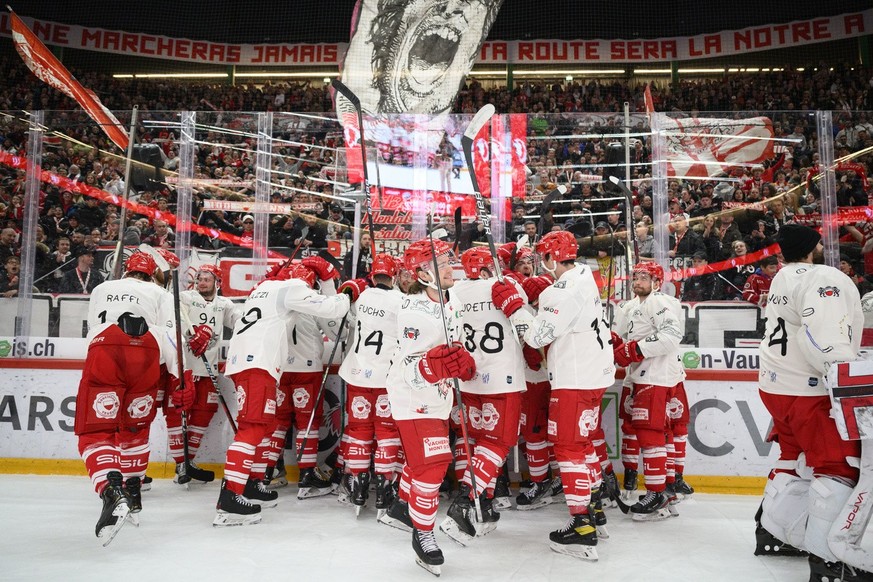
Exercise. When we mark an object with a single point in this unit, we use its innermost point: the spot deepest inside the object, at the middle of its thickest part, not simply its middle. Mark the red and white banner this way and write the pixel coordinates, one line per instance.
(49, 69)
(545, 51)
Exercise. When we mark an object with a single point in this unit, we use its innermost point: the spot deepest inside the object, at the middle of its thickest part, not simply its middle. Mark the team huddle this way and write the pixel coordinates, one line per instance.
(524, 355)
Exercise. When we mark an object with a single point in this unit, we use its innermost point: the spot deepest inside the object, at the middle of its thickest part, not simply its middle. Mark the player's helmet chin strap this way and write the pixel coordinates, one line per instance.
(432, 283)
(547, 258)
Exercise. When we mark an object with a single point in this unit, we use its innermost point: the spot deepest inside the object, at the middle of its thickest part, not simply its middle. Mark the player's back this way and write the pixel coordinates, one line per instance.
(374, 339)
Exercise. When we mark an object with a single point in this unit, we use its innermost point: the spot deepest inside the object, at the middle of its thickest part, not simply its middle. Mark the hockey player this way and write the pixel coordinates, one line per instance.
(524, 267)
(492, 397)
(118, 394)
(257, 352)
(814, 318)
(208, 313)
(365, 369)
(420, 391)
(570, 320)
(648, 346)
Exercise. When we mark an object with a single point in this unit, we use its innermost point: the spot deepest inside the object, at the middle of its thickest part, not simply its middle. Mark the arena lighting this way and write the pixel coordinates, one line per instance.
(581, 72)
(701, 70)
(652, 71)
(170, 76)
(313, 75)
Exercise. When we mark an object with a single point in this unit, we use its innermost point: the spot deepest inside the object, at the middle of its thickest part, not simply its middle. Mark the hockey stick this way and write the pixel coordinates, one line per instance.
(479, 120)
(461, 408)
(315, 409)
(180, 369)
(459, 226)
(631, 252)
(119, 247)
(356, 103)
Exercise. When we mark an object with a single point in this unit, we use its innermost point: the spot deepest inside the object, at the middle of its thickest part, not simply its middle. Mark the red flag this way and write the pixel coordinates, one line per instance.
(354, 144)
(50, 70)
(482, 160)
(650, 104)
(518, 127)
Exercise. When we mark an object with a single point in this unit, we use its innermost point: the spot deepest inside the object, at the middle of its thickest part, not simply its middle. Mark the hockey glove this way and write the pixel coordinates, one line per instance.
(273, 273)
(353, 288)
(533, 357)
(616, 340)
(183, 397)
(627, 353)
(199, 342)
(447, 361)
(506, 298)
(533, 286)
(322, 268)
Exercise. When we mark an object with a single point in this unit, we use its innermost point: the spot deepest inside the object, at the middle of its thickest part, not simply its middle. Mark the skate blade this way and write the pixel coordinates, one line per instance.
(264, 504)
(609, 504)
(483, 529)
(395, 523)
(435, 570)
(674, 511)
(277, 483)
(627, 495)
(545, 501)
(502, 503)
(380, 513)
(146, 487)
(108, 533)
(358, 509)
(582, 552)
(602, 532)
(133, 518)
(310, 492)
(658, 515)
(450, 527)
(223, 519)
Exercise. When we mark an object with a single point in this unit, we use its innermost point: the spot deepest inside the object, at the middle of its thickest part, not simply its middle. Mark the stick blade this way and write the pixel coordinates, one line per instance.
(479, 120)
(344, 90)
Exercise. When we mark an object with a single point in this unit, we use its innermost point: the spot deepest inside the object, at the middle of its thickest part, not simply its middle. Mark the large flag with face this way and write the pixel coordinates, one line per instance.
(701, 147)
(50, 70)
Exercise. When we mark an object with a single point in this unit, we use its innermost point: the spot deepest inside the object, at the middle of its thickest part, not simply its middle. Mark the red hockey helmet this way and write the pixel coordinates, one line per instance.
(384, 264)
(474, 260)
(214, 271)
(524, 253)
(141, 263)
(651, 268)
(504, 254)
(421, 253)
(298, 271)
(171, 258)
(560, 246)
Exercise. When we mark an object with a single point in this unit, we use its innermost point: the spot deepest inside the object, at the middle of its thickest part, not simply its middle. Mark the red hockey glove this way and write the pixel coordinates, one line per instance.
(533, 286)
(183, 398)
(273, 272)
(627, 353)
(446, 361)
(506, 298)
(199, 342)
(353, 288)
(616, 340)
(533, 357)
(322, 268)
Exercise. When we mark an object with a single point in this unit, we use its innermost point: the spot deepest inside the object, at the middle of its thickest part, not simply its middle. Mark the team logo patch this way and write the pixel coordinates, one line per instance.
(588, 421)
(829, 291)
(240, 397)
(300, 397)
(456, 415)
(629, 405)
(675, 408)
(280, 397)
(475, 417)
(436, 446)
(106, 405)
(270, 406)
(490, 416)
(360, 407)
(383, 406)
(640, 414)
(522, 419)
(411, 333)
(140, 407)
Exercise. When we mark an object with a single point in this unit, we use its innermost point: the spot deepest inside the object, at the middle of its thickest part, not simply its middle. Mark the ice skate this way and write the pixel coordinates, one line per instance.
(312, 484)
(360, 491)
(191, 473)
(385, 495)
(823, 571)
(596, 509)
(490, 516)
(428, 554)
(133, 491)
(276, 477)
(578, 538)
(234, 509)
(672, 499)
(257, 493)
(557, 488)
(610, 490)
(336, 480)
(446, 488)
(146, 483)
(524, 485)
(344, 491)
(459, 523)
(502, 494)
(115, 509)
(651, 507)
(682, 488)
(630, 484)
(539, 495)
(397, 515)
(182, 477)
(766, 544)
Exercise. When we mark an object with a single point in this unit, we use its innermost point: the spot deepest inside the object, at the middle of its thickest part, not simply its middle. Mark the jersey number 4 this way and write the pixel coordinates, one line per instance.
(779, 337)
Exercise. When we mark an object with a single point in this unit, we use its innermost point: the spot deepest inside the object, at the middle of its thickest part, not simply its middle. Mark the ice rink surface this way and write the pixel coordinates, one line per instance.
(47, 532)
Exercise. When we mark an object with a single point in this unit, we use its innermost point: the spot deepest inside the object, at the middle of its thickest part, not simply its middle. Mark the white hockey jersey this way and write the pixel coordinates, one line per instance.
(814, 318)
(420, 328)
(218, 314)
(373, 339)
(570, 318)
(144, 299)
(658, 326)
(489, 337)
(260, 334)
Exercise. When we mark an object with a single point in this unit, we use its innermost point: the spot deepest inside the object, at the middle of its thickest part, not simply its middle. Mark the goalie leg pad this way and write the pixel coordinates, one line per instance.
(786, 507)
(827, 497)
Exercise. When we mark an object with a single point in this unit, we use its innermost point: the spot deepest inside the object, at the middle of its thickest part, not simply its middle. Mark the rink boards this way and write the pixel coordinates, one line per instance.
(727, 446)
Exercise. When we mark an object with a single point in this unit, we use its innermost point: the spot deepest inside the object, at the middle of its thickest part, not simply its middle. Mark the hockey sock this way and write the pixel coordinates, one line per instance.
(134, 451)
(537, 455)
(386, 456)
(310, 452)
(577, 480)
(655, 467)
(101, 456)
(423, 503)
(198, 422)
(277, 441)
(241, 455)
(357, 455)
(405, 484)
(630, 452)
(486, 462)
(261, 459)
(174, 435)
(461, 457)
(671, 462)
(679, 444)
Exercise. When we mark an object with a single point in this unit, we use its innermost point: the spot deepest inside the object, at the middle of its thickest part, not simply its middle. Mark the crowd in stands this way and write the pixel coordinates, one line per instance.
(711, 220)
